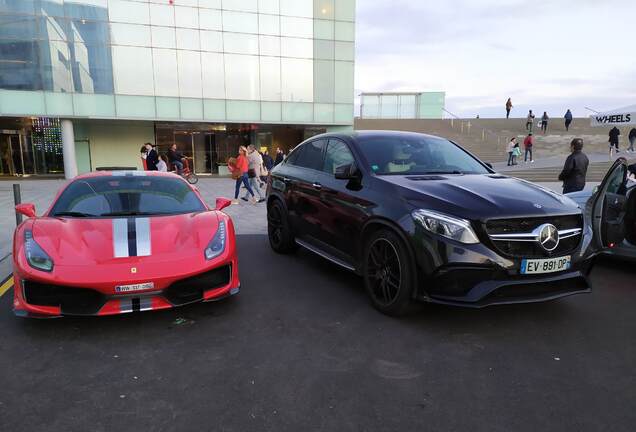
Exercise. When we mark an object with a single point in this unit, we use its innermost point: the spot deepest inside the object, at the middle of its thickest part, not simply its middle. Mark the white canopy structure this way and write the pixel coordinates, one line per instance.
(619, 117)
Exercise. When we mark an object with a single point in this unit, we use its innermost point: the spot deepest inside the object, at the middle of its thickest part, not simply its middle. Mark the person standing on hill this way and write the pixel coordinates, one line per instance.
(544, 122)
(575, 168)
(568, 120)
(632, 139)
(508, 107)
(614, 133)
(529, 121)
(528, 142)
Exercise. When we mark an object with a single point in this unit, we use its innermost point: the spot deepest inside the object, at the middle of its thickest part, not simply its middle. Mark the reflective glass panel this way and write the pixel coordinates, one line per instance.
(129, 34)
(189, 63)
(163, 37)
(240, 22)
(269, 45)
(165, 72)
(297, 8)
(188, 39)
(213, 75)
(240, 43)
(211, 41)
(270, 78)
(186, 17)
(297, 83)
(297, 27)
(133, 71)
(19, 65)
(294, 47)
(128, 12)
(242, 77)
(161, 15)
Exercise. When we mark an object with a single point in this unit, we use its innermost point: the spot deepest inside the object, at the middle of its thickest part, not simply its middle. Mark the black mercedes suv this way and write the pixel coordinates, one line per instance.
(420, 218)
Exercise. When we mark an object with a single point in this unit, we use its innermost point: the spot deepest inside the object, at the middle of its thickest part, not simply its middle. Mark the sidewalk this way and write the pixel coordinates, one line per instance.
(556, 161)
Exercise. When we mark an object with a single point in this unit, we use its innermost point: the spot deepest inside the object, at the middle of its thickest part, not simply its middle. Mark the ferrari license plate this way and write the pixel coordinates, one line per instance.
(134, 287)
(547, 265)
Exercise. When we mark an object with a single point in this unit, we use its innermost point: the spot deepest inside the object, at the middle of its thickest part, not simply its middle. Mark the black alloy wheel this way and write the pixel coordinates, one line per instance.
(388, 276)
(281, 238)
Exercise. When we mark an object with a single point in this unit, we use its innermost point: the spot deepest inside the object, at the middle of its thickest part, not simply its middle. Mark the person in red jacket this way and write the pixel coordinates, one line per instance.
(528, 142)
(239, 172)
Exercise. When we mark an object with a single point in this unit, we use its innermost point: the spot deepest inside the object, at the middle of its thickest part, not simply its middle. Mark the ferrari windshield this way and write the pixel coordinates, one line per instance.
(111, 196)
(415, 155)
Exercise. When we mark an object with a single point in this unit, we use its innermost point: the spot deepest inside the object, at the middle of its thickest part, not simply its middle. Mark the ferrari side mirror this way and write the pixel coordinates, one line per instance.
(26, 209)
(222, 203)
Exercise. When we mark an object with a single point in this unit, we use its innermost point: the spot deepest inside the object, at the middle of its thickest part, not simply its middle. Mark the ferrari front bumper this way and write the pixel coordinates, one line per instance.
(44, 299)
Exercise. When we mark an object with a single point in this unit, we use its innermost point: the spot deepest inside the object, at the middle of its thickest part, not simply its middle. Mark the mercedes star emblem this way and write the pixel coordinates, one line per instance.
(548, 237)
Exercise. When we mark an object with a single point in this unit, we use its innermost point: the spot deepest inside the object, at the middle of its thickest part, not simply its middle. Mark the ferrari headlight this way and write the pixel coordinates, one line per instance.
(35, 255)
(217, 244)
(445, 225)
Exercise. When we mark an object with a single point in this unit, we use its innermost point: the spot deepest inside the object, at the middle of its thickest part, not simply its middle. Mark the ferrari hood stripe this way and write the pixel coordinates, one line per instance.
(120, 238)
(131, 237)
(142, 227)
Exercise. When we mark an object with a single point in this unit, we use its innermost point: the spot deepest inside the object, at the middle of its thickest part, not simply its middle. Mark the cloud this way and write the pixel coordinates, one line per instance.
(485, 51)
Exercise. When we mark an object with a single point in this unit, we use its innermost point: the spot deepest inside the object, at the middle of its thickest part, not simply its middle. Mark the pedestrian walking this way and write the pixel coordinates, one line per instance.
(568, 119)
(632, 139)
(528, 142)
(279, 156)
(575, 168)
(151, 158)
(511, 149)
(614, 133)
(529, 121)
(544, 122)
(254, 171)
(508, 107)
(239, 170)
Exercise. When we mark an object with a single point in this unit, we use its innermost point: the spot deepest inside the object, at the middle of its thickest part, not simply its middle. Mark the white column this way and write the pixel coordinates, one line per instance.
(68, 149)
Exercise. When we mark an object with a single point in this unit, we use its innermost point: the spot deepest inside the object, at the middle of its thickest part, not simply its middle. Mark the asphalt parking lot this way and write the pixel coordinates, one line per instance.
(300, 348)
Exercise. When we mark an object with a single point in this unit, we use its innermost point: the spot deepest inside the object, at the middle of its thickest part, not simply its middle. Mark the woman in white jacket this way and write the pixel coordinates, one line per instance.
(511, 149)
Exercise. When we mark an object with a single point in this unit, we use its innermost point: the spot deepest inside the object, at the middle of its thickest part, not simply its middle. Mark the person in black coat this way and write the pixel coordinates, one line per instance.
(614, 133)
(575, 168)
(279, 156)
(151, 158)
(268, 161)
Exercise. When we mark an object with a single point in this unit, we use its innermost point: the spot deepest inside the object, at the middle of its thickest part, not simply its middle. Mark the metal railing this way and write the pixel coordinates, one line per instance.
(465, 124)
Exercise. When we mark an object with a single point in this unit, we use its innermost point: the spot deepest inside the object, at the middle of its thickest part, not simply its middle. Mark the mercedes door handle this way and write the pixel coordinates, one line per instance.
(317, 186)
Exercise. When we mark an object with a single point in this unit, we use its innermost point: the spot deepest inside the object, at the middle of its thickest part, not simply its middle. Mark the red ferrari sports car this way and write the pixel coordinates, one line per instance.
(118, 242)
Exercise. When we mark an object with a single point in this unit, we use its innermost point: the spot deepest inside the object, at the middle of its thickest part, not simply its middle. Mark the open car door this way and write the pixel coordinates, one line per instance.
(608, 208)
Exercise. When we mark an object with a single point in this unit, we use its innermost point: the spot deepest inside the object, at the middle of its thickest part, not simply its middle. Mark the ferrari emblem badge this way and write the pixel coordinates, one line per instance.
(133, 270)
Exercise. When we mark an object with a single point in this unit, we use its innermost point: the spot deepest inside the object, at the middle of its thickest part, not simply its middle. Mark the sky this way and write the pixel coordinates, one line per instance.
(547, 55)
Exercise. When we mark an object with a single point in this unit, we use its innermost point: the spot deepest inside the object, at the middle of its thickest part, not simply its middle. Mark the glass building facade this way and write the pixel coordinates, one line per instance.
(229, 62)
(426, 105)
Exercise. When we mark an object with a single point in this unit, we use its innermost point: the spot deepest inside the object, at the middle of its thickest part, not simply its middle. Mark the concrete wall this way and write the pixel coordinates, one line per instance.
(115, 143)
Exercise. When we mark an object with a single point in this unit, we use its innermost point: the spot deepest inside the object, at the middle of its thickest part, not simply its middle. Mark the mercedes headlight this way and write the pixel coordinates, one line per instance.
(217, 244)
(445, 225)
(35, 255)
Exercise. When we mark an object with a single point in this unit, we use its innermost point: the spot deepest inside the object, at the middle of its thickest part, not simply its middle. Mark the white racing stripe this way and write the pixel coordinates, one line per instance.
(120, 238)
(142, 226)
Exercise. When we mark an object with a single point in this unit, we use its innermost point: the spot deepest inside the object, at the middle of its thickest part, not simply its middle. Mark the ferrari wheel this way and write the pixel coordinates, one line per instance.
(388, 273)
(281, 238)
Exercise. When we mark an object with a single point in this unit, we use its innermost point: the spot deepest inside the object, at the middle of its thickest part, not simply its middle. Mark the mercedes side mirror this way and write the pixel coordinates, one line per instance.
(488, 164)
(26, 209)
(222, 203)
(347, 172)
